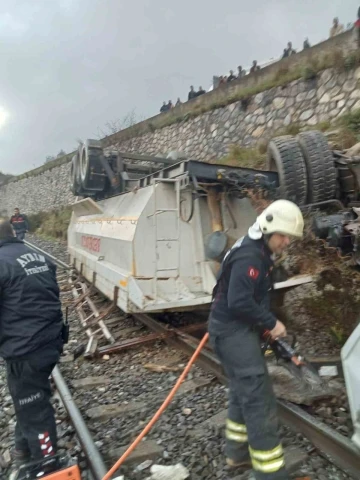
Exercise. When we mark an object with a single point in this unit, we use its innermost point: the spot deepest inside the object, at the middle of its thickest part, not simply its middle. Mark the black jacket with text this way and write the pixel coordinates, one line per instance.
(241, 294)
(30, 309)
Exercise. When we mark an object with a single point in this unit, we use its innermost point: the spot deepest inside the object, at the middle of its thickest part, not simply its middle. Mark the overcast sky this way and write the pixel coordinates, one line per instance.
(70, 66)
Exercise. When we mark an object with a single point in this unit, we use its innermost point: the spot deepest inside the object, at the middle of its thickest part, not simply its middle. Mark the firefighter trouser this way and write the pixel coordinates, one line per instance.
(20, 235)
(252, 425)
(29, 386)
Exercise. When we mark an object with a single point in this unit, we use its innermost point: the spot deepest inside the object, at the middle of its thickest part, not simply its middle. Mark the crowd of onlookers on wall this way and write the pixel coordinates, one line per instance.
(336, 29)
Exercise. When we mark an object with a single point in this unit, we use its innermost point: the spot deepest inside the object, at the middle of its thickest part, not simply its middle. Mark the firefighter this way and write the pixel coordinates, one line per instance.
(31, 341)
(240, 311)
(20, 224)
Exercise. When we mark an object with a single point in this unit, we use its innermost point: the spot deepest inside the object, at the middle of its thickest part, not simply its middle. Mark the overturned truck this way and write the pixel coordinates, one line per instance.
(150, 232)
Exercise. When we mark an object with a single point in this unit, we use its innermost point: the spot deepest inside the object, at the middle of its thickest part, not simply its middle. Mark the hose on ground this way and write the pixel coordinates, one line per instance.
(160, 411)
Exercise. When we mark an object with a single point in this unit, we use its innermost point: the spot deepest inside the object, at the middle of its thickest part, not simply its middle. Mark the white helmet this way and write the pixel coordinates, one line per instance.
(282, 217)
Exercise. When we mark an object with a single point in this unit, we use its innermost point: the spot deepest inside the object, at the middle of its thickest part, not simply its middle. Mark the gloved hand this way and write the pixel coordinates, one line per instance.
(278, 331)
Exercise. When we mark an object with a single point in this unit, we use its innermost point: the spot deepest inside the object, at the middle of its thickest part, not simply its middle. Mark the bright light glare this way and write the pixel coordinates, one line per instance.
(3, 117)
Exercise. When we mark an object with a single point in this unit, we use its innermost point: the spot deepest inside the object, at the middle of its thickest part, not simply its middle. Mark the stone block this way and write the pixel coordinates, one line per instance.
(146, 450)
(91, 382)
(103, 412)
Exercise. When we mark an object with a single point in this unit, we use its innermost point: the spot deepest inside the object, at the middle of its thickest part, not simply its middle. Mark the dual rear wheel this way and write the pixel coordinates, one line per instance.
(305, 165)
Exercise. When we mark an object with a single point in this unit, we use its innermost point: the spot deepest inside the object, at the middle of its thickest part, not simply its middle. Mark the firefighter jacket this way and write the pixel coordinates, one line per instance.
(30, 309)
(19, 223)
(241, 294)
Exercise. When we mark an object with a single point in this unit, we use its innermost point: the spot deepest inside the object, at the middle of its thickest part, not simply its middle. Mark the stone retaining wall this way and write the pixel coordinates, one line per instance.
(209, 136)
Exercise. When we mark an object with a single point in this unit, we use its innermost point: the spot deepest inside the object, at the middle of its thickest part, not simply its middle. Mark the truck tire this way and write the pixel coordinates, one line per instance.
(91, 170)
(284, 156)
(320, 166)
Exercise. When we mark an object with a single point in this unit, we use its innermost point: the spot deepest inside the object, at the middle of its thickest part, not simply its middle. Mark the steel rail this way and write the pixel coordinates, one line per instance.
(339, 449)
(51, 257)
(95, 461)
(93, 456)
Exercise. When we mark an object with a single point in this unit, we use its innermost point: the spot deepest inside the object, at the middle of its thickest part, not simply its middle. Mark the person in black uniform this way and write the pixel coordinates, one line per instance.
(240, 311)
(31, 341)
(20, 224)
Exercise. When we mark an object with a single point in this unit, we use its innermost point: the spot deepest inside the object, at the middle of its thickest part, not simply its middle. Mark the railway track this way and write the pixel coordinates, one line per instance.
(329, 443)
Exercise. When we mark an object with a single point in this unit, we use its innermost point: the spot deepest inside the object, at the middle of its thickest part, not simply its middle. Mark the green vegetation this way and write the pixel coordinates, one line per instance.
(243, 157)
(351, 121)
(52, 225)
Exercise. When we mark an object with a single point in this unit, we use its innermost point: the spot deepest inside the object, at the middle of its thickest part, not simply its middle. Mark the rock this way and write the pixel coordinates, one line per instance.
(288, 387)
(146, 450)
(354, 150)
(287, 120)
(91, 382)
(355, 94)
(306, 115)
(356, 106)
(258, 132)
(349, 86)
(338, 97)
(325, 98)
(301, 96)
(336, 91)
(259, 98)
(311, 94)
(313, 120)
(169, 472)
(279, 102)
(5, 459)
(143, 466)
(326, 76)
(187, 411)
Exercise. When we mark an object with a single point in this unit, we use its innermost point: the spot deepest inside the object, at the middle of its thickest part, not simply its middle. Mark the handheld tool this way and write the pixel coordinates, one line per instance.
(286, 354)
(56, 467)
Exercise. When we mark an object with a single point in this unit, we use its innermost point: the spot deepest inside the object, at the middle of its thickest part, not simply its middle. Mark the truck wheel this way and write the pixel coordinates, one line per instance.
(284, 156)
(91, 170)
(320, 166)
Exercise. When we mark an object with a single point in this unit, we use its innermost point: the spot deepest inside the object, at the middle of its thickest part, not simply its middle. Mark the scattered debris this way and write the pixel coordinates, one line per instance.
(161, 368)
(328, 371)
(292, 389)
(143, 466)
(104, 412)
(5, 459)
(353, 151)
(170, 472)
(187, 411)
(91, 382)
